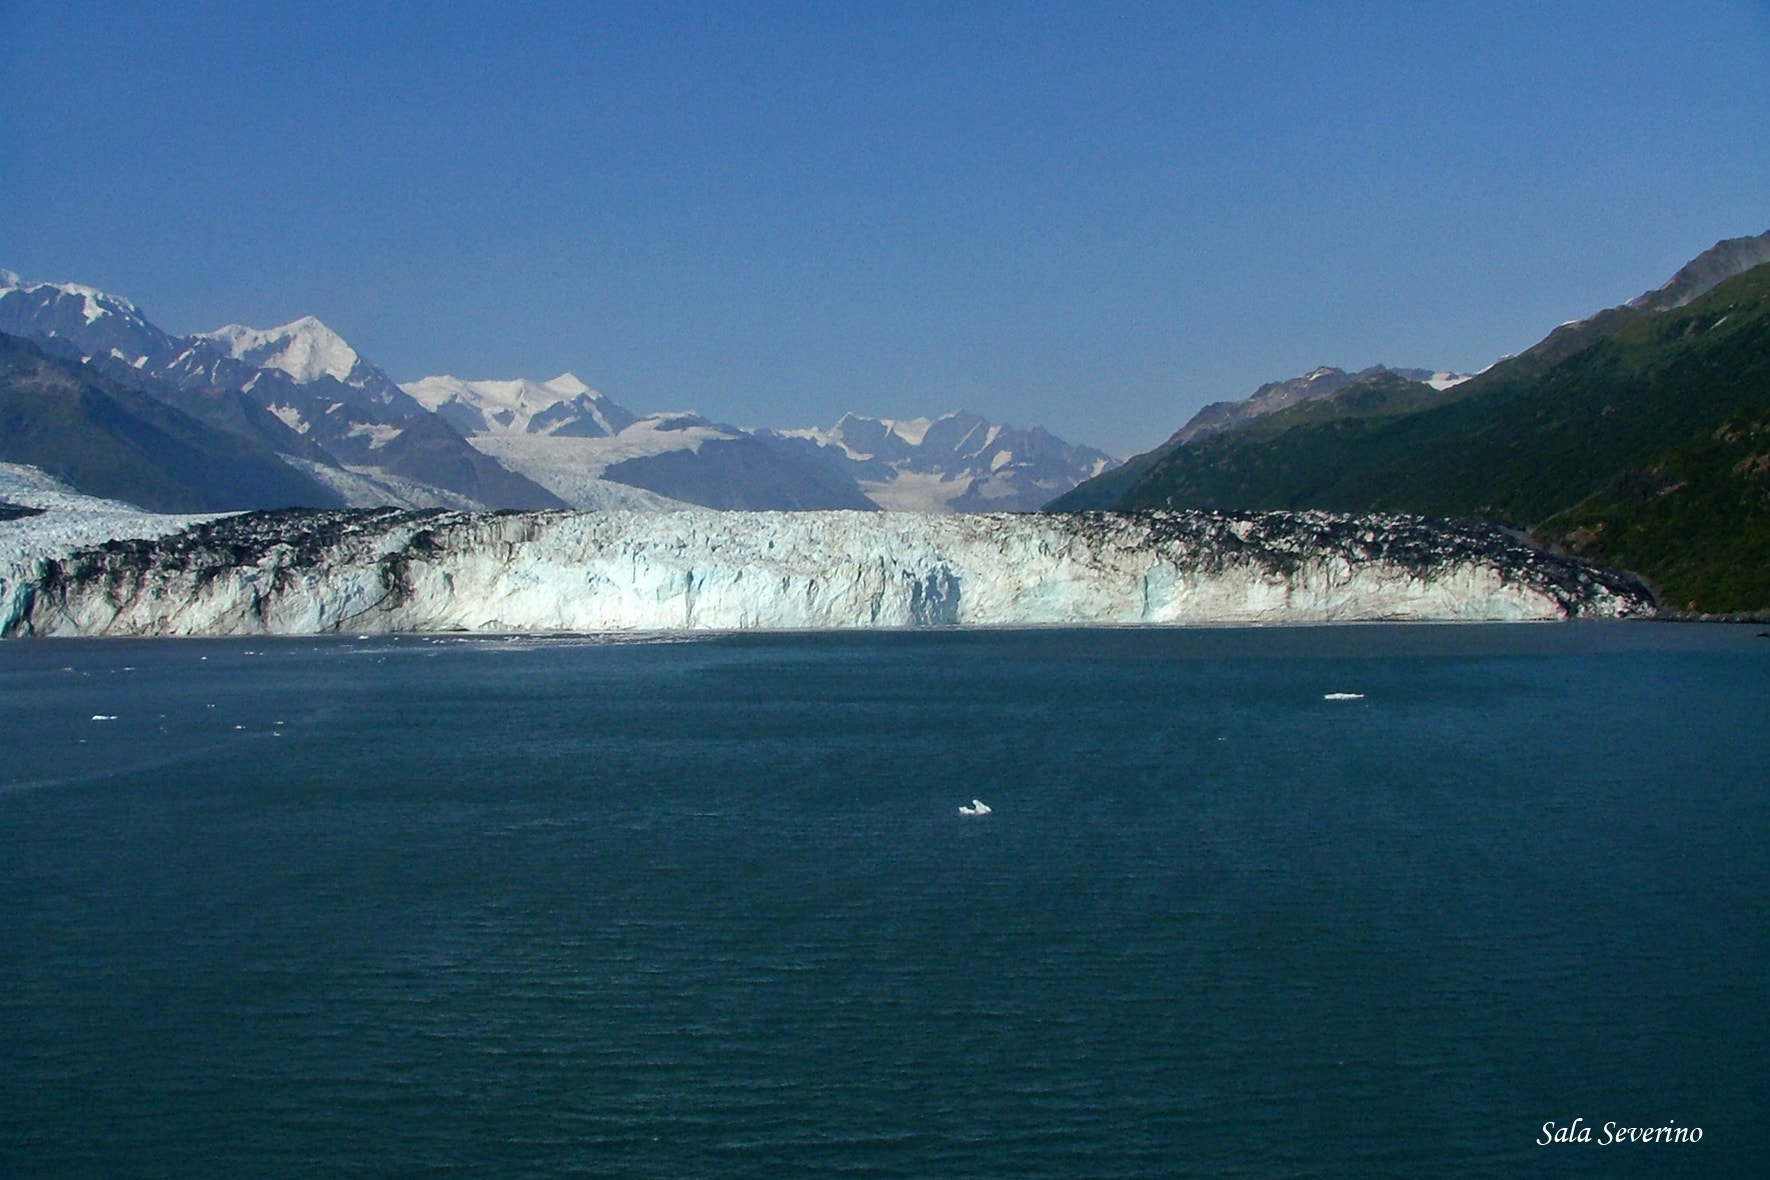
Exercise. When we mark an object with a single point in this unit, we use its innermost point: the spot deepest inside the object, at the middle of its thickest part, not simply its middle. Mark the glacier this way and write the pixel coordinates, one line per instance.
(302, 572)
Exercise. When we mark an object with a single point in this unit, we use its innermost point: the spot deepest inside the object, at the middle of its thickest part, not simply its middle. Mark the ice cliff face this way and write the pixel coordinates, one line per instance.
(303, 572)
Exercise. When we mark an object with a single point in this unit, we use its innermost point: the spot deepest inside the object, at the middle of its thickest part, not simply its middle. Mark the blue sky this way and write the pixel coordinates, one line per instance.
(1092, 217)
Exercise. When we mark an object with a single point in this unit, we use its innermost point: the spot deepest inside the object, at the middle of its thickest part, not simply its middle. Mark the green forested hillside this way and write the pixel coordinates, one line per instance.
(1697, 520)
(1634, 437)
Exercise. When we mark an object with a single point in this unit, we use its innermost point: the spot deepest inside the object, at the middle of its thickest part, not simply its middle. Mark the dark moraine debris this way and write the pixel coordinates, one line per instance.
(295, 538)
(1283, 541)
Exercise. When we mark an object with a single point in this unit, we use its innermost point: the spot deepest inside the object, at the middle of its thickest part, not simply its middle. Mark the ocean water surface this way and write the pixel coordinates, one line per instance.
(498, 907)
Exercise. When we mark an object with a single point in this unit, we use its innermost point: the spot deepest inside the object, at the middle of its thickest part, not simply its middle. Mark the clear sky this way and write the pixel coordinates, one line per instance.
(1094, 217)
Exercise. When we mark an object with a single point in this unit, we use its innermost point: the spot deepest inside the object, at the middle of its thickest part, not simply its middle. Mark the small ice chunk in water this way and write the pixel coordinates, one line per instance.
(104, 716)
(1343, 696)
(976, 807)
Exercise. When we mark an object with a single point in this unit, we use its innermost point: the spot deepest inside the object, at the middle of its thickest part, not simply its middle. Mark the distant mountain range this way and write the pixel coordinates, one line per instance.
(298, 391)
(1639, 437)
(956, 462)
(577, 442)
(316, 424)
(595, 453)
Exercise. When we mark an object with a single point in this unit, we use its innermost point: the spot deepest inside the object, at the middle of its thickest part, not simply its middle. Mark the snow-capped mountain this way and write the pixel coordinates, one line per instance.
(303, 391)
(306, 350)
(562, 408)
(593, 452)
(576, 442)
(958, 462)
(109, 439)
(300, 389)
(309, 353)
(103, 325)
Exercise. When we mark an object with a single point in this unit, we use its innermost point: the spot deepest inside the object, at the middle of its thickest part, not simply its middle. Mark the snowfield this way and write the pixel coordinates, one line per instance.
(70, 521)
(304, 572)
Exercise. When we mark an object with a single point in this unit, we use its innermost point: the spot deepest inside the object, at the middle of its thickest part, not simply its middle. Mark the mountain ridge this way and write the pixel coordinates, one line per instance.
(111, 440)
(561, 431)
(1635, 436)
(1103, 491)
(342, 426)
(361, 427)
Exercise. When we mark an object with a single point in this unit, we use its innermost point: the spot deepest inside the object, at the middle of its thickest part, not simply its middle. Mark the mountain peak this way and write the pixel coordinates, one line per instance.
(1717, 264)
(566, 385)
(94, 303)
(305, 349)
(564, 406)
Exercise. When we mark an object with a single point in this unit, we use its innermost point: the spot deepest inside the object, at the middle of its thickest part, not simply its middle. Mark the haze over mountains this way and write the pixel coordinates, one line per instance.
(324, 427)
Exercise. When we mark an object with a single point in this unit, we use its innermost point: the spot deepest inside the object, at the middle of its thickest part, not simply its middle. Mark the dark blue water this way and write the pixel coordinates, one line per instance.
(409, 907)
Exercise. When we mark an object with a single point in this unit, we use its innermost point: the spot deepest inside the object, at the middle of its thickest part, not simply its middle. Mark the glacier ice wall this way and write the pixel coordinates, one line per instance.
(302, 572)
